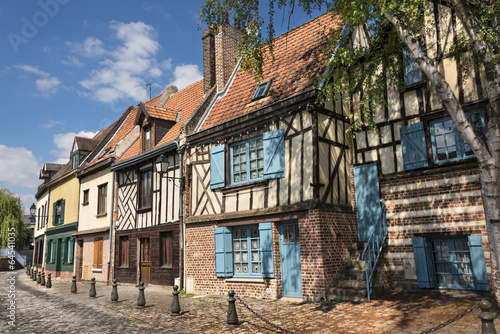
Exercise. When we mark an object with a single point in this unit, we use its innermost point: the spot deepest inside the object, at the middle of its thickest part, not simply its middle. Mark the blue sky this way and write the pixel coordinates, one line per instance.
(72, 67)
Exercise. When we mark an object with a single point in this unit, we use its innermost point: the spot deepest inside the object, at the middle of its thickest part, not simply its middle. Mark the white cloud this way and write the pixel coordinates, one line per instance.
(46, 84)
(185, 75)
(63, 143)
(72, 61)
(51, 123)
(18, 167)
(27, 200)
(122, 67)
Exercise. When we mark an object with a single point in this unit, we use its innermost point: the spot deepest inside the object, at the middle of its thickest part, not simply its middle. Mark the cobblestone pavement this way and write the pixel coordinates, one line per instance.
(56, 310)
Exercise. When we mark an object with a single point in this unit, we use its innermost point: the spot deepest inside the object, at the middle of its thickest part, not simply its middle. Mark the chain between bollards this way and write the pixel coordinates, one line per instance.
(92, 292)
(114, 292)
(73, 284)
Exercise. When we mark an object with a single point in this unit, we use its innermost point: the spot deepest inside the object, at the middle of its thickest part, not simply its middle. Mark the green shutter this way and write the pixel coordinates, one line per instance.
(63, 250)
(62, 211)
(223, 252)
(266, 249)
(413, 146)
(478, 263)
(274, 154)
(54, 214)
(425, 273)
(71, 246)
(217, 166)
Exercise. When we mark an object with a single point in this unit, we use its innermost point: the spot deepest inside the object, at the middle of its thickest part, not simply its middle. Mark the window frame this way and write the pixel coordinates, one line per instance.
(123, 254)
(460, 143)
(59, 204)
(248, 161)
(266, 86)
(410, 66)
(166, 253)
(149, 196)
(102, 199)
(147, 129)
(75, 159)
(249, 261)
(85, 196)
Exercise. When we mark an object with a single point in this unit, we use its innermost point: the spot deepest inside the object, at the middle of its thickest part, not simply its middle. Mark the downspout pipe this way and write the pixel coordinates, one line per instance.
(181, 218)
(111, 225)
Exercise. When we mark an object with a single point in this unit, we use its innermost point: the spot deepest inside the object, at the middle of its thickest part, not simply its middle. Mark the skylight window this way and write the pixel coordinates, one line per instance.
(262, 89)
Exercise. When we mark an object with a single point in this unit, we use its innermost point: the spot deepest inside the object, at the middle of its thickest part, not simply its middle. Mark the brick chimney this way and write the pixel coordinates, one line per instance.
(219, 54)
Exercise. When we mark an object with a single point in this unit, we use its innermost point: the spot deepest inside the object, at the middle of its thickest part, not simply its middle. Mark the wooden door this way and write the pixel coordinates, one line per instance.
(290, 260)
(145, 260)
(367, 191)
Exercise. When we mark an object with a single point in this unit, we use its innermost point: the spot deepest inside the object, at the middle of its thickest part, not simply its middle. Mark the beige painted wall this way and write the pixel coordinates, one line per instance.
(69, 191)
(88, 212)
(43, 200)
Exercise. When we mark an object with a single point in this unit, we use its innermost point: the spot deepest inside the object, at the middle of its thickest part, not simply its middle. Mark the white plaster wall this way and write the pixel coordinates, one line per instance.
(87, 213)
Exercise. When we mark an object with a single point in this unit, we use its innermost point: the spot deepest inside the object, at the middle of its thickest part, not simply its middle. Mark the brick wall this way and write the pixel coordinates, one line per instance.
(100, 274)
(64, 275)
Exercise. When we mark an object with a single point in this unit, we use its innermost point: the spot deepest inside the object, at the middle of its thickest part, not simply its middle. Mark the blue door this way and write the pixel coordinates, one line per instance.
(367, 192)
(290, 260)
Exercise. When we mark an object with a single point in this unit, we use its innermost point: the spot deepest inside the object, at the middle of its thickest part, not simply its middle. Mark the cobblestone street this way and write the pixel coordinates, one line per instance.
(56, 310)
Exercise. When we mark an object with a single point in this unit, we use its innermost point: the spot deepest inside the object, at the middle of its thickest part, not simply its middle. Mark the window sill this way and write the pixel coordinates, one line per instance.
(104, 214)
(245, 280)
(96, 270)
(123, 267)
(85, 203)
(248, 185)
(166, 267)
(415, 85)
(146, 209)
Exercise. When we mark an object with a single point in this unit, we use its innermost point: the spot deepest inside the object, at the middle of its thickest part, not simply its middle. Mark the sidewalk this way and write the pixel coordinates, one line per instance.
(396, 313)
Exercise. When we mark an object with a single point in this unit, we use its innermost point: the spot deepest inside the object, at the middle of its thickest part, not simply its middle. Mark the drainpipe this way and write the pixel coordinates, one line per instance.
(111, 225)
(181, 220)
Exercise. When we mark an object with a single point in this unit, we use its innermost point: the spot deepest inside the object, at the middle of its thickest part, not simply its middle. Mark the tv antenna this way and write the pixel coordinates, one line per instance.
(146, 84)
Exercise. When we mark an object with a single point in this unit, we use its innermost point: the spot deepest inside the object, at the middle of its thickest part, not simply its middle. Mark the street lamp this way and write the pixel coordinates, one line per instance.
(162, 164)
(32, 210)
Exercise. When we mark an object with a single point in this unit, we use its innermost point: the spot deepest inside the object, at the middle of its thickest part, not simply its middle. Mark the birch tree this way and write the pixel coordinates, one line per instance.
(390, 26)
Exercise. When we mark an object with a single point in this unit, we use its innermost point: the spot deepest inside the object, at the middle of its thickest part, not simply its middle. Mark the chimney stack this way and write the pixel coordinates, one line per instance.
(220, 54)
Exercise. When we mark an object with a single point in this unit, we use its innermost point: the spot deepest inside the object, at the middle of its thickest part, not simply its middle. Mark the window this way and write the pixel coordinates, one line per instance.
(85, 197)
(58, 212)
(74, 159)
(262, 90)
(413, 72)
(145, 190)
(147, 138)
(123, 252)
(253, 160)
(38, 224)
(244, 251)
(247, 161)
(166, 249)
(97, 253)
(145, 256)
(447, 144)
(101, 199)
(451, 262)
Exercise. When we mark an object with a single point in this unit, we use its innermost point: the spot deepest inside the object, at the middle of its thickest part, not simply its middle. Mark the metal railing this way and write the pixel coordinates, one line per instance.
(8, 252)
(373, 248)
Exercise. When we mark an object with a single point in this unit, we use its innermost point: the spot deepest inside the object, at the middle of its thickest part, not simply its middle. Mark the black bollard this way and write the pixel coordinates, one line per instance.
(39, 278)
(141, 300)
(92, 292)
(73, 284)
(35, 273)
(114, 292)
(27, 268)
(487, 318)
(43, 279)
(232, 316)
(31, 274)
(176, 307)
(49, 282)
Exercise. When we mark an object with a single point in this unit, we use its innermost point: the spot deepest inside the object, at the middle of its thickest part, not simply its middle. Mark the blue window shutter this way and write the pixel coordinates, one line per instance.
(478, 263)
(367, 191)
(217, 170)
(62, 211)
(423, 265)
(223, 252)
(274, 154)
(266, 249)
(413, 146)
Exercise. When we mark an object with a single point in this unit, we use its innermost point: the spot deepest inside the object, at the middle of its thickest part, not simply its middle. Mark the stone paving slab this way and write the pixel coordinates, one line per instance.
(395, 313)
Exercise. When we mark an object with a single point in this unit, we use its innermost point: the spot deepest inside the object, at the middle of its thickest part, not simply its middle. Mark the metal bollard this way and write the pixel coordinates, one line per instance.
(114, 292)
(49, 282)
(487, 318)
(176, 307)
(27, 268)
(73, 284)
(92, 292)
(43, 279)
(39, 278)
(35, 273)
(141, 300)
(232, 316)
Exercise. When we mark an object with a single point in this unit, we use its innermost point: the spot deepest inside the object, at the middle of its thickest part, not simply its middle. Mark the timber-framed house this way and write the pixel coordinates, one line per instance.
(148, 183)
(268, 187)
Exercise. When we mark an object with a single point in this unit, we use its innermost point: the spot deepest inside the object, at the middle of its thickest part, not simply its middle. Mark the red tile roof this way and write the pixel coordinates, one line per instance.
(161, 113)
(295, 66)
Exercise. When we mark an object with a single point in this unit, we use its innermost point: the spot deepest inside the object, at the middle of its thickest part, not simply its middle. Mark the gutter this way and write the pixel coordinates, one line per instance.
(144, 156)
(110, 241)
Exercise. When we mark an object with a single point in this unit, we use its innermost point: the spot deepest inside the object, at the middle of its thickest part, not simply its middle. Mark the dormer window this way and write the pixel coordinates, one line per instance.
(147, 138)
(74, 159)
(262, 90)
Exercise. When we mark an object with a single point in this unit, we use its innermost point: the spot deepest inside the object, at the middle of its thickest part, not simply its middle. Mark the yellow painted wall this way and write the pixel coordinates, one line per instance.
(69, 190)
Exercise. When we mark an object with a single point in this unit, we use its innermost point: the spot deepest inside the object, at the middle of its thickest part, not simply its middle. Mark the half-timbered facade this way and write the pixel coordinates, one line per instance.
(426, 174)
(268, 180)
(148, 203)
